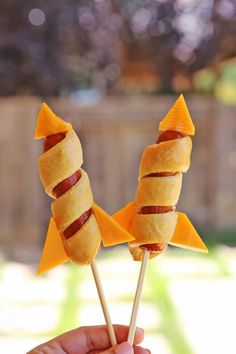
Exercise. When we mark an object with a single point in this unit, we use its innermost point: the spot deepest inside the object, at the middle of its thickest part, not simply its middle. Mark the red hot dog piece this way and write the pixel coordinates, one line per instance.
(169, 135)
(157, 209)
(162, 174)
(154, 247)
(65, 185)
(77, 224)
(52, 140)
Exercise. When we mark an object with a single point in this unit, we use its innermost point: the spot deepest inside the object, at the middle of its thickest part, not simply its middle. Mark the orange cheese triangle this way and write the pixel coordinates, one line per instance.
(178, 118)
(125, 215)
(186, 236)
(112, 233)
(53, 252)
(48, 123)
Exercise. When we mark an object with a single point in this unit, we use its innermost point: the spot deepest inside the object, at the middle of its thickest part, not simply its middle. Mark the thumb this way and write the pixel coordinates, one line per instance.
(123, 348)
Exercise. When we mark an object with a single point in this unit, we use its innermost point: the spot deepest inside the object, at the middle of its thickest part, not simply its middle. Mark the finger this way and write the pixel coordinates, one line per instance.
(122, 332)
(123, 348)
(141, 350)
(97, 336)
(136, 350)
(86, 339)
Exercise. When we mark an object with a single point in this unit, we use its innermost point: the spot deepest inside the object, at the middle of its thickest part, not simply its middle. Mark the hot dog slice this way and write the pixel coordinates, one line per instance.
(156, 209)
(77, 224)
(52, 140)
(169, 135)
(65, 185)
(154, 247)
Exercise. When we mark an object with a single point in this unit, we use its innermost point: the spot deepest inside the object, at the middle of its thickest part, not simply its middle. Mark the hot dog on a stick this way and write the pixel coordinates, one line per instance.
(151, 218)
(77, 225)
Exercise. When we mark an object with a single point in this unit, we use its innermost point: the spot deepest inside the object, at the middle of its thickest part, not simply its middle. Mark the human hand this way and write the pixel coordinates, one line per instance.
(92, 340)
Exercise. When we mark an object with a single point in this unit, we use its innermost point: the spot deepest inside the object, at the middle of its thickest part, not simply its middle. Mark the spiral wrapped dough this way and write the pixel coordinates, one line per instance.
(55, 165)
(172, 157)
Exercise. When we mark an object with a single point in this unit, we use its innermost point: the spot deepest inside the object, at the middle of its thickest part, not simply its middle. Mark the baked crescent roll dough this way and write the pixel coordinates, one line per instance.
(83, 246)
(153, 228)
(163, 191)
(72, 204)
(55, 165)
(60, 162)
(167, 156)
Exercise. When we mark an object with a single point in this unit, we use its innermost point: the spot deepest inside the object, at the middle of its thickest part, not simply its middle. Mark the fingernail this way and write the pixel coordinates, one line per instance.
(124, 348)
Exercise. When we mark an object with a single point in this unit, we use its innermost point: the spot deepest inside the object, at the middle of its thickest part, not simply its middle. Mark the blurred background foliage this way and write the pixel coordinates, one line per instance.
(59, 47)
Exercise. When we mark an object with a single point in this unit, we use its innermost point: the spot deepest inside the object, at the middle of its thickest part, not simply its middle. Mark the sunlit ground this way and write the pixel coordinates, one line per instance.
(188, 304)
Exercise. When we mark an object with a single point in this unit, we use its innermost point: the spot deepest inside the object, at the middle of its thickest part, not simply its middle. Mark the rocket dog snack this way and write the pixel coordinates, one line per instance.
(151, 218)
(77, 225)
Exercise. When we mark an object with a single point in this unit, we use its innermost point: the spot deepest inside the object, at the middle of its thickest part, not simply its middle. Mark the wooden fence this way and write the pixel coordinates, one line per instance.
(113, 135)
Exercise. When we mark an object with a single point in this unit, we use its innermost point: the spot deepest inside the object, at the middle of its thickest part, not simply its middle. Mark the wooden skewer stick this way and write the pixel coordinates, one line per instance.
(133, 320)
(103, 303)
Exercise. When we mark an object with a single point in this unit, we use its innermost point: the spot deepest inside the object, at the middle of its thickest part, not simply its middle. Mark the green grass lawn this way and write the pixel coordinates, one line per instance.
(157, 292)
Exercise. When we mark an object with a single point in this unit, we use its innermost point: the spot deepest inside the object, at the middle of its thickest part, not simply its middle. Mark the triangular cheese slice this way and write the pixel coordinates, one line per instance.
(178, 118)
(125, 215)
(112, 233)
(186, 236)
(53, 252)
(48, 123)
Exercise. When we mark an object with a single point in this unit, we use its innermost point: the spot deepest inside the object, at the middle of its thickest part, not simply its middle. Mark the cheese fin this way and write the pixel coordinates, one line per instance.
(178, 118)
(54, 253)
(186, 236)
(125, 215)
(48, 123)
(111, 232)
